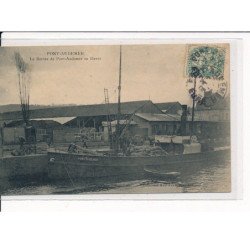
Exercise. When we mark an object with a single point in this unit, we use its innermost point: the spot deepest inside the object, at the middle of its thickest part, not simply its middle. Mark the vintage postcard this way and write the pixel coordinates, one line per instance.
(115, 119)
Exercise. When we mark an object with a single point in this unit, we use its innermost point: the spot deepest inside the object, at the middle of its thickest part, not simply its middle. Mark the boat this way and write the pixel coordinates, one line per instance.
(63, 165)
(86, 163)
(161, 175)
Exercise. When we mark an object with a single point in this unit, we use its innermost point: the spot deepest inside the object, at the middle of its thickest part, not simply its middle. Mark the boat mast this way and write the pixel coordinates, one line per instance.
(119, 92)
(119, 103)
(109, 125)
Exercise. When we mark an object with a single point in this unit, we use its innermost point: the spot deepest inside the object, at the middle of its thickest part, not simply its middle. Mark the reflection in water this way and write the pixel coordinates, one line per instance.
(197, 178)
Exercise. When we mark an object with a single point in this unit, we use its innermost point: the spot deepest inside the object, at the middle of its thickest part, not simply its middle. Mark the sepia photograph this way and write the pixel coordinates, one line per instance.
(115, 119)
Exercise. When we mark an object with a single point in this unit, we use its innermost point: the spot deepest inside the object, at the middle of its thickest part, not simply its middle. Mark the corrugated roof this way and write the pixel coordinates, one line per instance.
(169, 106)
(86, 110)
(61, 120)
(205, 116)
(210, 116)
(35, 123)
(158, 117)
(122, 122)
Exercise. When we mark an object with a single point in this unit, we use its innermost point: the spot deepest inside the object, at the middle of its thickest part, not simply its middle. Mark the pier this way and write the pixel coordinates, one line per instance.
(28, 166)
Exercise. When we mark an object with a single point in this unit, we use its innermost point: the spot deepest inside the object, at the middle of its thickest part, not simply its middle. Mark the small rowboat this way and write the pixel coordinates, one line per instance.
(160, 174)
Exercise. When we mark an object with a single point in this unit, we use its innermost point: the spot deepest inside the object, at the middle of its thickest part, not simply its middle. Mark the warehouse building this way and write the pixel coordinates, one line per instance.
(67, 123)
(80, 119)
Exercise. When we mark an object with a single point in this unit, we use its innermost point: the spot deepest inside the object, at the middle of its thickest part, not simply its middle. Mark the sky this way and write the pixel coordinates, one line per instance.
(148, 72)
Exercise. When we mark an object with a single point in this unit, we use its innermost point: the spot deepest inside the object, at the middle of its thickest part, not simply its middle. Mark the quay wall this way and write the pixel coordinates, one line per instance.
(28, 167)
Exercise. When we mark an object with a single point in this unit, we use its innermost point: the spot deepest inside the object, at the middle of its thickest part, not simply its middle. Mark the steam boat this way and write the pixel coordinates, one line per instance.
(81, 165)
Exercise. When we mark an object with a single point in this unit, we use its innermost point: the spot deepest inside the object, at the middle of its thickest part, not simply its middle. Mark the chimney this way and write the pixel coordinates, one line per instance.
(183, 119)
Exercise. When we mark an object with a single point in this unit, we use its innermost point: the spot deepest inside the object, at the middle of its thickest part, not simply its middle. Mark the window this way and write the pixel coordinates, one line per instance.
(175, 128)
(155, 129)
(166, 127)
(41, 131)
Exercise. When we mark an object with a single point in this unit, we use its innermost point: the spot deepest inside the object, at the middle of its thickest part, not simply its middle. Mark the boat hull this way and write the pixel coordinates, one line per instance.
(64, 165)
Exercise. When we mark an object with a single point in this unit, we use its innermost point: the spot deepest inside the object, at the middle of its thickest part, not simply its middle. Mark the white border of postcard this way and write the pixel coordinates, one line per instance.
(238, 42)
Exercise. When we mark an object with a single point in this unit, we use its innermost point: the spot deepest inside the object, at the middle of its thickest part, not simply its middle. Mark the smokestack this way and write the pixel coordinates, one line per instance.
(23, 85)
(183, 119)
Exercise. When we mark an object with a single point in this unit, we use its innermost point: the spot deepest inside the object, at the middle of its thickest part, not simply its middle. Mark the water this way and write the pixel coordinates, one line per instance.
(209, 178)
